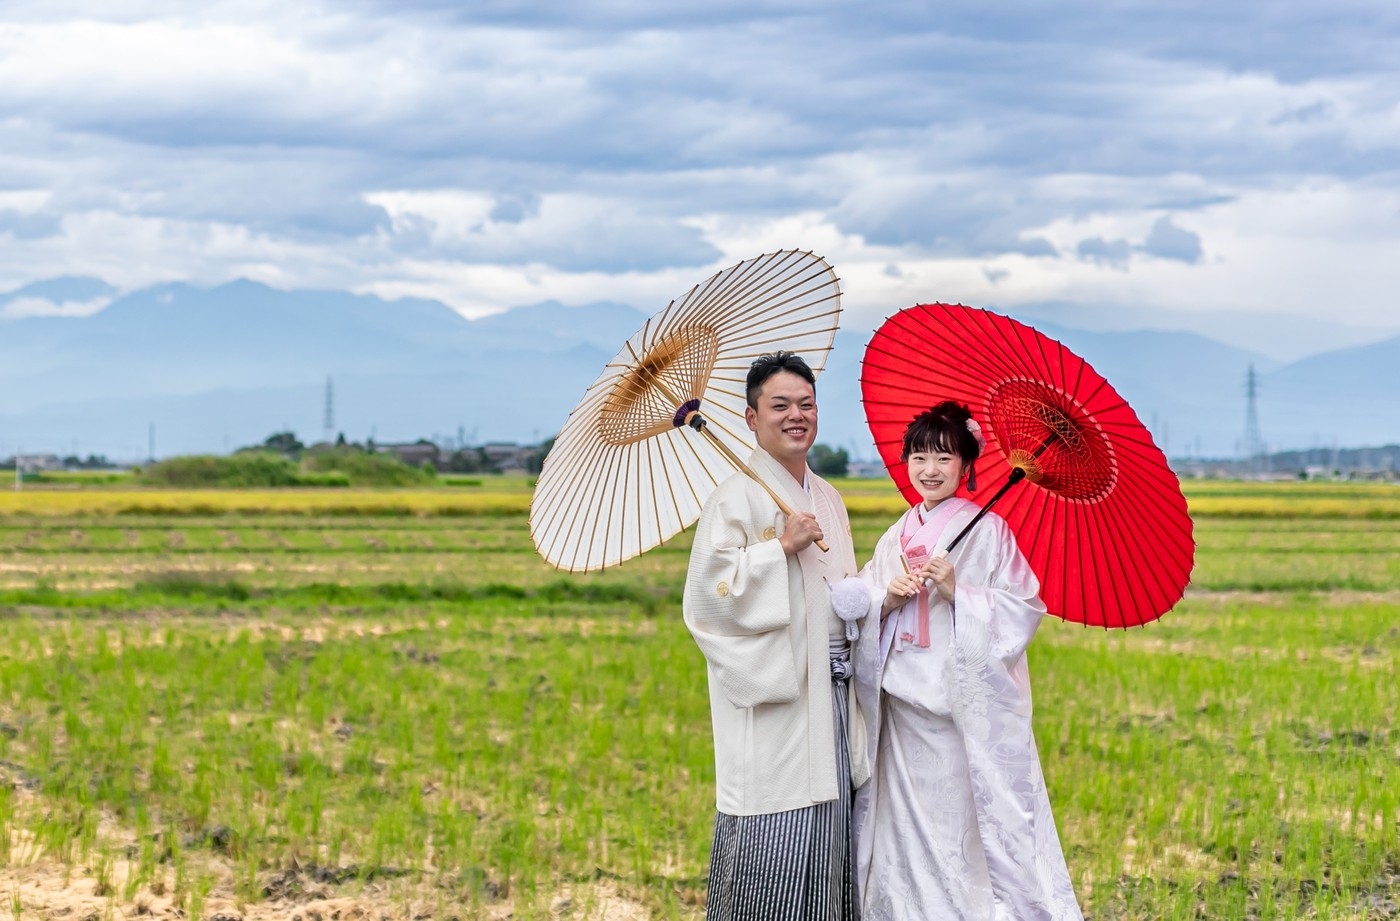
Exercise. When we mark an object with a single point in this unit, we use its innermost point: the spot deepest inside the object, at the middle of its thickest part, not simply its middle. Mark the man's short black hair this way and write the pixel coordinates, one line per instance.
(765, 366)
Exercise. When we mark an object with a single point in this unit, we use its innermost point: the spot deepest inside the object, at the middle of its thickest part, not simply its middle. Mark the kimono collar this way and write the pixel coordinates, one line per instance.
(920, 535)
(799, 495)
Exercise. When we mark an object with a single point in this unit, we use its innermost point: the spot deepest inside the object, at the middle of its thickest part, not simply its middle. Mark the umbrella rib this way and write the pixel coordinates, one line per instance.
(803, 310)
(627, 462)
(614, 462)
(812, 321)
(580, 534)
(757, 285)
(645, 474)
(724, 288)
(555, 507)
(1119, 529)
(687, 441)
(590, 455)
(1164, 573)
(1055, 551)
(656, 452)
(781, 292)
(1089, 564)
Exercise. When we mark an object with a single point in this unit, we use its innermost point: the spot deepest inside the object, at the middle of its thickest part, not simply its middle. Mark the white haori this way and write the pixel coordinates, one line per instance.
(955, 822)
(762, 620)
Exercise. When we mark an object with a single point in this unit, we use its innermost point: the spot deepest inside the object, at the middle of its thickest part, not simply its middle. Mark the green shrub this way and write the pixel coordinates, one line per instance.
(341, 468)
(250, 469)
(361, 468)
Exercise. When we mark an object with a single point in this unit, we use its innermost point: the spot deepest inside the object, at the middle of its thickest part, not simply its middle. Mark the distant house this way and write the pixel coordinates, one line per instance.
(415, 454)
(865, 469)
(34, 463)
(511, 458)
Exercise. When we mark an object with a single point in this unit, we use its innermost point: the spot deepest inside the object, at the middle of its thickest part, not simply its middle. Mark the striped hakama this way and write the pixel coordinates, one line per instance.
(795, 865)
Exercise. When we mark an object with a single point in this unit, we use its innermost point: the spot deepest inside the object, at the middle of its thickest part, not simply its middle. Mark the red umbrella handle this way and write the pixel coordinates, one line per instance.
(1017, 475)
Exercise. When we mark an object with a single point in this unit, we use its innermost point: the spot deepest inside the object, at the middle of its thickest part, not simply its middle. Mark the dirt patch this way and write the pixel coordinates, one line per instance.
(46, 890)
(36, 887)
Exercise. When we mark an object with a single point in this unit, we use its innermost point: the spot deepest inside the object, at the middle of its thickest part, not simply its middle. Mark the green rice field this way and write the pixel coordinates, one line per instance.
(358, 704)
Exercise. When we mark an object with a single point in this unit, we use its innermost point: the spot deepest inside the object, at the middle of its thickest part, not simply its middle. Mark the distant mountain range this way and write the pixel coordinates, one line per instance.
(214, 369)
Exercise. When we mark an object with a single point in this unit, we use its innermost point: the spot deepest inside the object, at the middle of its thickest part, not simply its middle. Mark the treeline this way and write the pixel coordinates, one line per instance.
(266, 466)
(260, 469)
(283, 461)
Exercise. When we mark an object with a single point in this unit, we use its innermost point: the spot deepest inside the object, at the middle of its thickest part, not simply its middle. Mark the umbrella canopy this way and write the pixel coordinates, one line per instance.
(1100, 516)
(664, 422)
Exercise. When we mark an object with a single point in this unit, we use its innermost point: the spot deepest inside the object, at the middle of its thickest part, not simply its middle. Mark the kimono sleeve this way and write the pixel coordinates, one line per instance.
(877, 575)
(738, 604)
(1001, 592)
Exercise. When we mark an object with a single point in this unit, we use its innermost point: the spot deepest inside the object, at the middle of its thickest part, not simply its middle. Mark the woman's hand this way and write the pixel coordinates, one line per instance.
(902, 588)
(939, 572)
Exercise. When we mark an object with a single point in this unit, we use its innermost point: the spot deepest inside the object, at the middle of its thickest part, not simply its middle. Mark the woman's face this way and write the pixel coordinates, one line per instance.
(935, 474)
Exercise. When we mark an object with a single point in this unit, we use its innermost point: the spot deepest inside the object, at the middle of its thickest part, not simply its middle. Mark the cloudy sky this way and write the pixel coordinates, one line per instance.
(1227, 167)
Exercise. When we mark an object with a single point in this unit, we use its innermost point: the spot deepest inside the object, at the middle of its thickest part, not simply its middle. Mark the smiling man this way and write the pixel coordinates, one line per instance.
(785, 722)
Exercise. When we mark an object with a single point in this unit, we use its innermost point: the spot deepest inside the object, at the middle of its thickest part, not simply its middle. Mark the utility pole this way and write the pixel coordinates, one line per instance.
(330, 411)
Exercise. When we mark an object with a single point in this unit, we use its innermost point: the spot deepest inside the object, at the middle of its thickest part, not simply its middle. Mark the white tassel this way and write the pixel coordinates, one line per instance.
(850, 599)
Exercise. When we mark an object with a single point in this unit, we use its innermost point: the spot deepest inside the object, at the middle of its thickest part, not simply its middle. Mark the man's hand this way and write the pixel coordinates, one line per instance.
(800, 532)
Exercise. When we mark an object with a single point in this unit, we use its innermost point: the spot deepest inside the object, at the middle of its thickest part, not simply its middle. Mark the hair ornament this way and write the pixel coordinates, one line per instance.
(976, 431)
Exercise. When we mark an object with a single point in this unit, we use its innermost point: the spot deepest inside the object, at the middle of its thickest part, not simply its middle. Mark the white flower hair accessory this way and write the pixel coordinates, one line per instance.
(976, 431)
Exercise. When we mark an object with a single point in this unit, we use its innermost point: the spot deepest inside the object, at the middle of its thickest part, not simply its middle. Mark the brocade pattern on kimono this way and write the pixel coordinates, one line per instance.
(955, 822)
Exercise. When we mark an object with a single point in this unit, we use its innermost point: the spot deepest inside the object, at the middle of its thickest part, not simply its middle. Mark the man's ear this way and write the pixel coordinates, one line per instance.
(751, 418)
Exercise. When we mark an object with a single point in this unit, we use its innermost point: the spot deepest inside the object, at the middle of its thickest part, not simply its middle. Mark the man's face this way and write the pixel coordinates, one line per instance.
(786, 419)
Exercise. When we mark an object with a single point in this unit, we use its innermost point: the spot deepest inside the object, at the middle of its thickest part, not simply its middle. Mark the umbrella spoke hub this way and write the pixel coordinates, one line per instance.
(1025, 462)
(661, 387)
(1053, 438)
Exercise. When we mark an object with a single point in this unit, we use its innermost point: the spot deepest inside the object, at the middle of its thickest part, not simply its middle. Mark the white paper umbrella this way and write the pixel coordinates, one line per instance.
(664, 423)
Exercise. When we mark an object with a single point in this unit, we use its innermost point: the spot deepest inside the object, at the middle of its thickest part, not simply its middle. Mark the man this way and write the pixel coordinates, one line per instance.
(785, 725)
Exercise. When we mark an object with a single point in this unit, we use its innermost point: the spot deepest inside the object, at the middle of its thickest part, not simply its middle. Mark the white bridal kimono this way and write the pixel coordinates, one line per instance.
(955, 823)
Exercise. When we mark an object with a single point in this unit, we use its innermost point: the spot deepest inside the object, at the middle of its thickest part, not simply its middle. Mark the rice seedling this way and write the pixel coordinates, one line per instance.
(410, 709)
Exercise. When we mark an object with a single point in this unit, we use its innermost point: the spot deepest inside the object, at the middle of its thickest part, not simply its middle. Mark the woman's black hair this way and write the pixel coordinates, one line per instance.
(944, 429)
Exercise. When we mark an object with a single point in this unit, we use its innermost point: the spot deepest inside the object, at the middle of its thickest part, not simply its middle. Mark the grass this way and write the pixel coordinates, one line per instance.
(238, 735)
(250, 700)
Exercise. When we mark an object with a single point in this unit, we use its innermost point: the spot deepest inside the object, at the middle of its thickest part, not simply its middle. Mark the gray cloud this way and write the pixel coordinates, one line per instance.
(1164, 241)
(28, 226)
(1167, 241)
(1109, 252)
(942, 130)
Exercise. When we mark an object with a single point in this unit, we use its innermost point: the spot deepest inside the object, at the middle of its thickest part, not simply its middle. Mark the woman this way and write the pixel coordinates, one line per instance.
(955, 822)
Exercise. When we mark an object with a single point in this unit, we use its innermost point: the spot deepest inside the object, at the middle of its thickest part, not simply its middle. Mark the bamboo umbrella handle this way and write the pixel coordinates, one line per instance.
(737, 462)
(696, 421)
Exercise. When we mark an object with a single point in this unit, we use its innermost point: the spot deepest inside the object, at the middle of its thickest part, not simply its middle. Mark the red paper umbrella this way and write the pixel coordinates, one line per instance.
(1100, 515)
